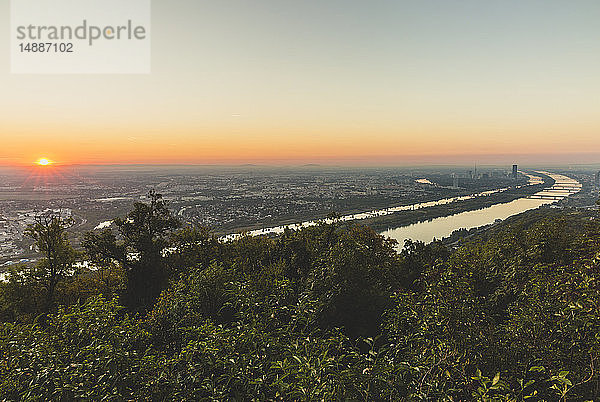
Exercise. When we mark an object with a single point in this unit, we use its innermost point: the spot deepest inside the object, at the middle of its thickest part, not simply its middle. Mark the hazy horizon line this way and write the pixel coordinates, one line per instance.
(551, 159)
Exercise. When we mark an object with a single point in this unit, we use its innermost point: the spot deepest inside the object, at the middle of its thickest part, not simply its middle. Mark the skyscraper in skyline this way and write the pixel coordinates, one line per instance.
(515, 170)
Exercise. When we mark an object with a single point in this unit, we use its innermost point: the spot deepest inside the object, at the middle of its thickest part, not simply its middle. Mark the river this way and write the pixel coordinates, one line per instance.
(444, 226)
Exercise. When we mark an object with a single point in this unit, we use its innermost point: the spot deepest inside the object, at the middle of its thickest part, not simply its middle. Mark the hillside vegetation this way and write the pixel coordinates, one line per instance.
(331, 312)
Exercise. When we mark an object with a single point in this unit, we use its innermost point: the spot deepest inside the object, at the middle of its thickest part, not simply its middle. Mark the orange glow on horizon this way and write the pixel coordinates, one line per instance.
(276, 143)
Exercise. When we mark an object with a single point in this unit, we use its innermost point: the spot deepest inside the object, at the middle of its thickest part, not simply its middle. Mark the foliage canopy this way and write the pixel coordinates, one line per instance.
(330, 312)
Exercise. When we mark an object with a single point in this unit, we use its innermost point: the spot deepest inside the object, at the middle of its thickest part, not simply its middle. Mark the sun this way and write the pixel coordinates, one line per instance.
(43, 162)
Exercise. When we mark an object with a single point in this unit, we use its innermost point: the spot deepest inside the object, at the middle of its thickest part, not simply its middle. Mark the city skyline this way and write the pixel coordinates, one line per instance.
(281, 82)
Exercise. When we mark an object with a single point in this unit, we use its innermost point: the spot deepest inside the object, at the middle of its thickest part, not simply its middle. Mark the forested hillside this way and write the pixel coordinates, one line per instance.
(331, 312)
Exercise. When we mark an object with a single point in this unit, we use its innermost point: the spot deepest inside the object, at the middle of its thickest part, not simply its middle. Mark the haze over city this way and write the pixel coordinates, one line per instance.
(341, 82)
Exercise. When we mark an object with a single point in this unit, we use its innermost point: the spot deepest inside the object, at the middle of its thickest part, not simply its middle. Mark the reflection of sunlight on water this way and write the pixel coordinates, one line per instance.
(103, 225)
(443, 227)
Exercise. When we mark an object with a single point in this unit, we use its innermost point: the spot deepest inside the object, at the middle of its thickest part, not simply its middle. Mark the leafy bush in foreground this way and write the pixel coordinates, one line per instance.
(328, 313)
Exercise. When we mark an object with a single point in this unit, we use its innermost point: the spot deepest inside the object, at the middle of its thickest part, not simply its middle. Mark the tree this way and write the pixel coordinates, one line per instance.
(139, 248)
(194, 247)
(106, 258)
(50, 238)
(416, 258)
(353, 281)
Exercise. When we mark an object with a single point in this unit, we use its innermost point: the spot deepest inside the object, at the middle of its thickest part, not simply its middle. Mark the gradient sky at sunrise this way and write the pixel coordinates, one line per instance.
(235, 81)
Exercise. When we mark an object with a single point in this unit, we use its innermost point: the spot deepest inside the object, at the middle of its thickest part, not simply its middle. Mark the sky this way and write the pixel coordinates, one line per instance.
(338, 81)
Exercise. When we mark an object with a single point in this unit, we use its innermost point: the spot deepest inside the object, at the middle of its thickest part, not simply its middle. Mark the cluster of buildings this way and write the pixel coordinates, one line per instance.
(13, 224)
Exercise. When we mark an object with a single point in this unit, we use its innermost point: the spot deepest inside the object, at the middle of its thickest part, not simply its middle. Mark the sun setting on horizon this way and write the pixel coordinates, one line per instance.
(43, 162)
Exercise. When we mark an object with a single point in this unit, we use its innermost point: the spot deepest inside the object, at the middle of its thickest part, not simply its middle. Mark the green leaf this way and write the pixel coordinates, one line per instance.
(496, 379)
